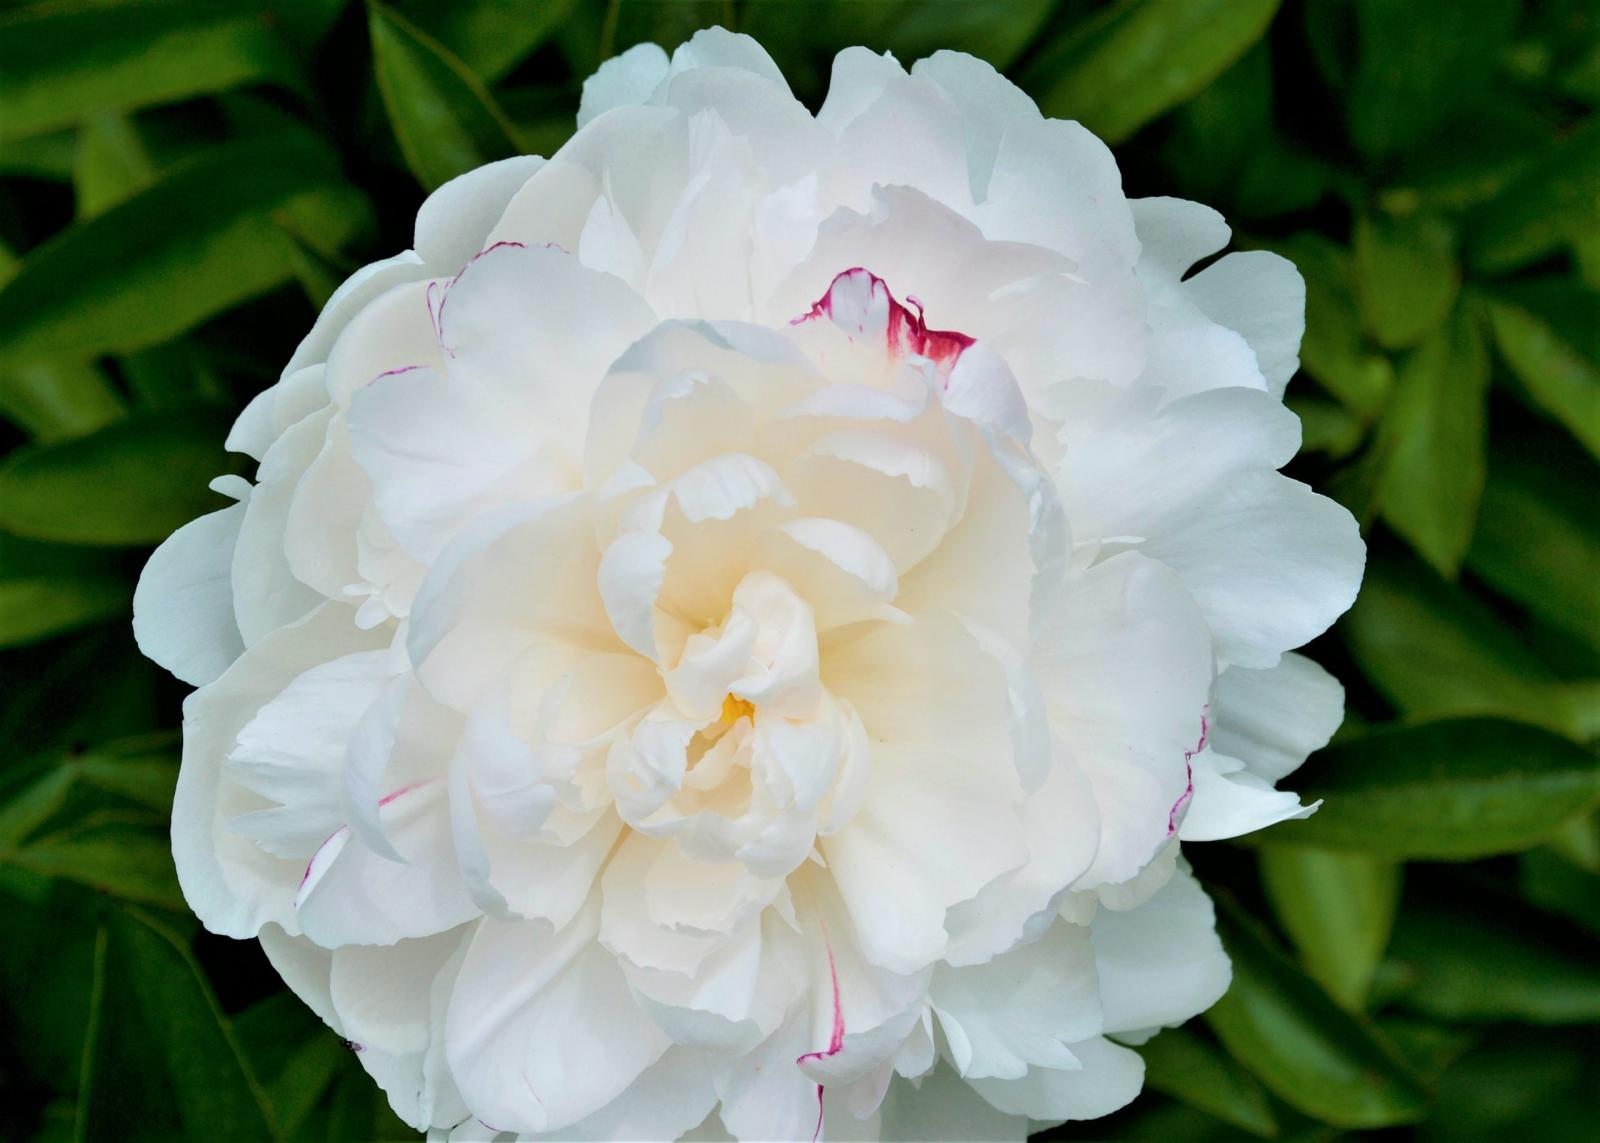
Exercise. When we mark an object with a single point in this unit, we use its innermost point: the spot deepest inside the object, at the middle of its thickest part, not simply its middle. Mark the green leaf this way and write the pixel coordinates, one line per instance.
(1311, 1053)
(1433, 437)
(195, 243)
(1406, 276)
(1560, 379)
(1418, 62)
(1557, 885)
(131, 483)
(112, 164)
(1454, 789)
(1538, 540)
(443, 117)
(60, 63)
(157, 1011)
(295, 1054)
(130, 859)
(1553, 202)
(1434, 651)
(1333, 351)
(1484, 958)
(1338, 908)
(38, 607)
(1518, 1084)
(1124, 67)
(54, 400)
(489, 36)
(1186, 1067)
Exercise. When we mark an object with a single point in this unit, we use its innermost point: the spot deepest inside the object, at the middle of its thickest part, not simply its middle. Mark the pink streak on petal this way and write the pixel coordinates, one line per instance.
(393, 373)
(444, 298)
(835, 1041)
(905, 335)
(306, 876)
(1188, 792)
(389, 797)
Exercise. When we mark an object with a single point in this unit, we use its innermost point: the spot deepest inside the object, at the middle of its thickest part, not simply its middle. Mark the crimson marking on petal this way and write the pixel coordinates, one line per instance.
(1188, 790)
(389, 797)
(306, 876)
(835, 1041)
(393, 373)
(905, 332)
(444, 297)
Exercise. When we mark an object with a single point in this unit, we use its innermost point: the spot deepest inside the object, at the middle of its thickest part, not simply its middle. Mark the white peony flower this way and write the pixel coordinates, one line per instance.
(729, 632)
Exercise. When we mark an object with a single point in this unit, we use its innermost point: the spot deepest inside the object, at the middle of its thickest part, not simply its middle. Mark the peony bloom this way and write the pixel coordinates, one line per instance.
(728, 634)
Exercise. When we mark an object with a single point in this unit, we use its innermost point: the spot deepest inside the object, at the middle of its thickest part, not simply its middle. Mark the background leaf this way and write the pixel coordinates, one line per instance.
(1123, 67)
(445, 119)
(1452, 789)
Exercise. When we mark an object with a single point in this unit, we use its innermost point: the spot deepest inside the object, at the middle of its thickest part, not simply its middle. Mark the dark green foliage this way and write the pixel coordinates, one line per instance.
(183, 182)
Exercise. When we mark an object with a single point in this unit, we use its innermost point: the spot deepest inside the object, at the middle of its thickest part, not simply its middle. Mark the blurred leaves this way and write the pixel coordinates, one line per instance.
(62, 62)
(1314, 1055)
(1432, 440)
(1126, 65)
(200, 240)
(1185, 1066)
(1458, 788)
(1338, 908)
(446, 121)
(130, 483)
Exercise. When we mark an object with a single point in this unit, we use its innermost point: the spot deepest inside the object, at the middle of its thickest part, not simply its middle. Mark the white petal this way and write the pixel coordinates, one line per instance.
(231, 884)
(1125, 669)
(454, 221)
(353, 296)
(945, 1109)
(1230, 801)
(1109, 1078)
(622, 80)
(351, 895)
(1022, 1008)
(1273, 719)
(988, 102)
(1161, 963)
(1175, 234)
(1261, 296)
(519, 982)
(183, 606)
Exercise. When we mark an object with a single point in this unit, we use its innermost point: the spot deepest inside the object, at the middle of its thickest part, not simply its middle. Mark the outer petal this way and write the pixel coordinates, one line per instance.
(1272, 719)
(944, 1108)
(519, 982)
(454, 222)
(183, 606)
(1262, 297)
(1108, 1078)
(1125, 668)
(231, 884)
(1021, 1009)
(623, 80)
(1161, 963)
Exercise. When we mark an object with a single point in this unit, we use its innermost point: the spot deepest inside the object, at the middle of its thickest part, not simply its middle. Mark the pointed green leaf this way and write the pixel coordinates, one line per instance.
(1314, 1055)
(1559, 378)
(489, 36)
(131, 483)
(112, 164)
(195, 243)
(1120, 69)
(1183, 1065)
(54, 400)
(62, 62)
(1485, 958)
(1420, 62)
(1538, 540)
(443, 117)
(1454, 789)
(1338, 908)
(1553, 202)
(159, 1019)
(38, 607)
(1434, 650)
(296, 1056)
(1433, 437)
(1406, 276)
